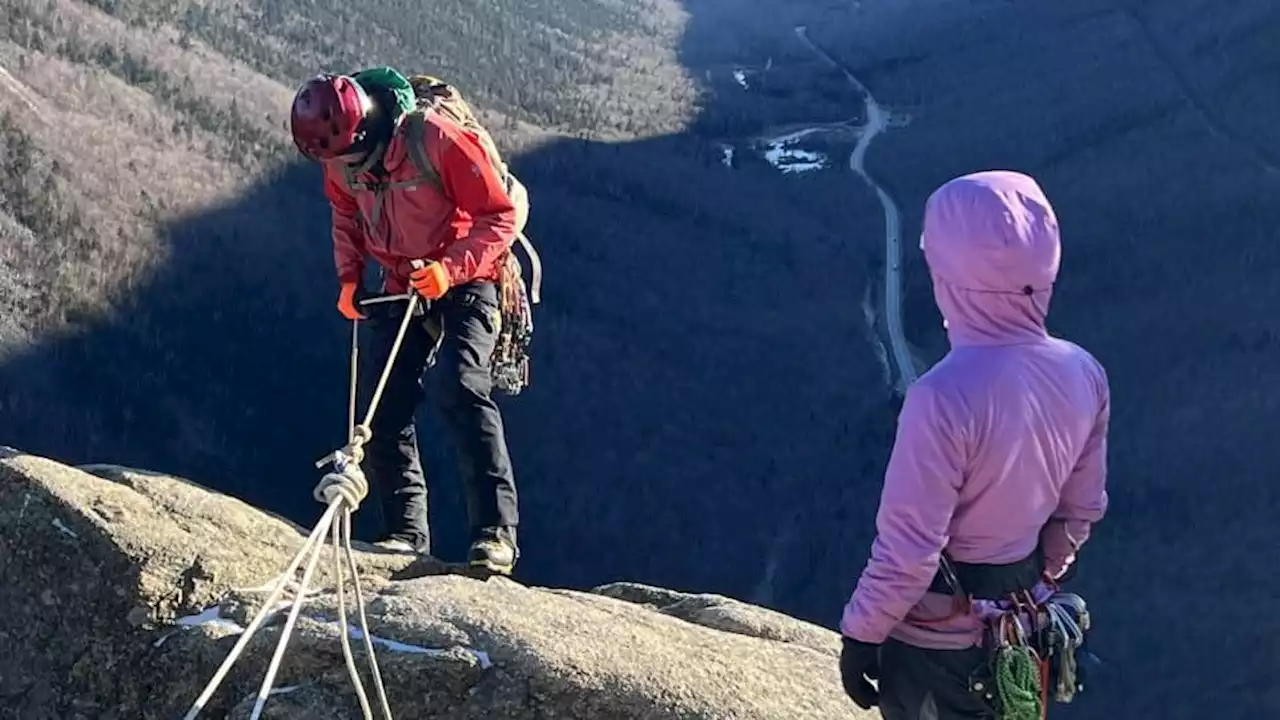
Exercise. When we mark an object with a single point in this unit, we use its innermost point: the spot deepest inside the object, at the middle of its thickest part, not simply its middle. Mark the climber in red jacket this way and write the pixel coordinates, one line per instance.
(353, 126)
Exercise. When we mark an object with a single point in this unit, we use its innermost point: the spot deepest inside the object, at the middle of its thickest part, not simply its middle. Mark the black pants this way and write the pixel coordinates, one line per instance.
(920, 684)
(468, 318)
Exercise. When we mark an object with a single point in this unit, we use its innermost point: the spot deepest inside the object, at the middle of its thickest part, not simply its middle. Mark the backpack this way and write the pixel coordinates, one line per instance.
(510, 360)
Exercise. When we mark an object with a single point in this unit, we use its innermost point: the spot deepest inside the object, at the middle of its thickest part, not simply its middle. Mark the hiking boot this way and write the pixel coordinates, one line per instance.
(494, 550)
(403, 546)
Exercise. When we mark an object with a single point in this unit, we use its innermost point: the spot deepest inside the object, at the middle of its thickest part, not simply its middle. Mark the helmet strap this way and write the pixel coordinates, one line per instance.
(371, 160)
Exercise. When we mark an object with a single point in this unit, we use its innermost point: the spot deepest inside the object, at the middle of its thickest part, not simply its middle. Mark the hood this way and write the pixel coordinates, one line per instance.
(391, 81)
(991, 242)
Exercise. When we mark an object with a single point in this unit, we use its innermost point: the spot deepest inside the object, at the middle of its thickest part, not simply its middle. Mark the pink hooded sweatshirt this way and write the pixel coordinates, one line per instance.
(1003, 443)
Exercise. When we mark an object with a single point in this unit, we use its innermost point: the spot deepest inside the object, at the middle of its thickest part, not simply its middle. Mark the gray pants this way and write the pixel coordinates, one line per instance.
(920, 684)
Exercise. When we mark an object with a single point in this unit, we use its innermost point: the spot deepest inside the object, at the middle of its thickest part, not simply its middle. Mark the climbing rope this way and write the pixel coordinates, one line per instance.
(342, 492)
(1034, 638)
(1017, 682)
(1016, 669)
(361, 434)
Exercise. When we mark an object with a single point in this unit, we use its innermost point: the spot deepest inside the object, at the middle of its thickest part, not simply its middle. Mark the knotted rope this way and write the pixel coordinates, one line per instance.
(341, 491)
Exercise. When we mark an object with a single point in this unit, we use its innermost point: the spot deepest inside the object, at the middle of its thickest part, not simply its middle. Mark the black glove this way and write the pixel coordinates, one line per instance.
(860, 662)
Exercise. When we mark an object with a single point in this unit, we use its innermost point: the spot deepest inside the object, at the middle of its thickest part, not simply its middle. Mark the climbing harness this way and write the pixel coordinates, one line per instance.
(423, 94)
(1034, 639)
(342, 491)
(509, 361)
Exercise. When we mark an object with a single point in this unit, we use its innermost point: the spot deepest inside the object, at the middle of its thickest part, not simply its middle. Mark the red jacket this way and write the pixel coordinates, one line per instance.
(468, 232)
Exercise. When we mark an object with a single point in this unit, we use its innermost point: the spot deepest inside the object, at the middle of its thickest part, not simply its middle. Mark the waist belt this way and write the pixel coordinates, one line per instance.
(990, 582)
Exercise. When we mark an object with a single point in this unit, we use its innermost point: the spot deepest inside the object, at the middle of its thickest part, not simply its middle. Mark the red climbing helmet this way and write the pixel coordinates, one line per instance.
(327, 113)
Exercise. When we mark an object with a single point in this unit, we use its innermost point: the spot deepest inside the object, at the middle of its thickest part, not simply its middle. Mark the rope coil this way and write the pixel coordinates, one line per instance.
(1017, 681)
(1035, 639)
(341, 491)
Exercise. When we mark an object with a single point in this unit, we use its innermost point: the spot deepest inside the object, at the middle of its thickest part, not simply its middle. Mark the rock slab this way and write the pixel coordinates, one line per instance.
(121, 591)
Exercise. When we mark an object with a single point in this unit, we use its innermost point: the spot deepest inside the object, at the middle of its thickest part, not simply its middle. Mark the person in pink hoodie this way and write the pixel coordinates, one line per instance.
(999, 464)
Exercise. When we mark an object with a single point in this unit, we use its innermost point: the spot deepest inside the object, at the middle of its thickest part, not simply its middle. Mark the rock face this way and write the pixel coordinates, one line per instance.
(121, 592)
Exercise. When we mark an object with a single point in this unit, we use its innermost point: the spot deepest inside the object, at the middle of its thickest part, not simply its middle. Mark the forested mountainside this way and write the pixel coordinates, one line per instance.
(178, 310)
(711, 407)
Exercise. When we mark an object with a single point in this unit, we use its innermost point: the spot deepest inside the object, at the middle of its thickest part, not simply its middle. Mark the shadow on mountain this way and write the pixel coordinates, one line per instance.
(706, 409)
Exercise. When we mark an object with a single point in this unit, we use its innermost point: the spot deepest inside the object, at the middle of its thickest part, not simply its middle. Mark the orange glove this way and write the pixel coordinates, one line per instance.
(347, 302)
(431, 281)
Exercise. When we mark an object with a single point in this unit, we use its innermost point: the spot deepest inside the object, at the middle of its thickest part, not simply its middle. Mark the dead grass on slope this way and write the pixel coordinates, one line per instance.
(93, 167)
(222, 82)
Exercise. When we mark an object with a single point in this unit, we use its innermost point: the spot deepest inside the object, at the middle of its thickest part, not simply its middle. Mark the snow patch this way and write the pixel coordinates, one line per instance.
(284, 690)
(783, 154)
(728, 156)
(64, 529)
(793, 160)
(212, 616)
(741, 76)
(394, 646)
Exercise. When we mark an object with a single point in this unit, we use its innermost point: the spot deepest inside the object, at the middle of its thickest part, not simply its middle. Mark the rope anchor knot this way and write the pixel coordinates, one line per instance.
(349, 485)
(341, 491)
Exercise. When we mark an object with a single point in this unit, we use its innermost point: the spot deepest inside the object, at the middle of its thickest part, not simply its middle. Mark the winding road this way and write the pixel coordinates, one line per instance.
(903, 366)
(877, 121)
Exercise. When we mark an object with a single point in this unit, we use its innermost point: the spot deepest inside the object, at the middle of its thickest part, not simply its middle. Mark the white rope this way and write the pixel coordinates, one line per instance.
(265, 689)
(362, 433)
(351, 395)
(267, 605)
(342, 491)
(364, 620)
(347, 655)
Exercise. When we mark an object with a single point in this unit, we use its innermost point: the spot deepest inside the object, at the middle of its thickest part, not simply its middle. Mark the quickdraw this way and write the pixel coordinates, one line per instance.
(509, 365)
(1036, 640)
(1069, 622)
